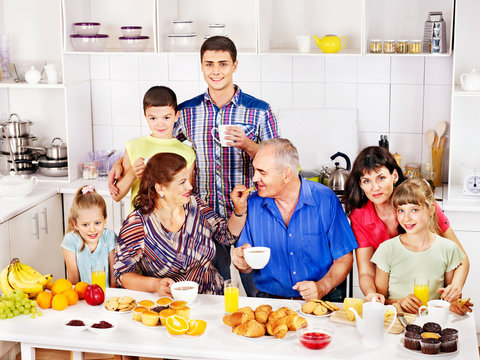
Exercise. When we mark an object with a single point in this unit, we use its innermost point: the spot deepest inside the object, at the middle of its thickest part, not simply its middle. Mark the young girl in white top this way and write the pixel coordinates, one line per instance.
(87, 242)
(419, 253)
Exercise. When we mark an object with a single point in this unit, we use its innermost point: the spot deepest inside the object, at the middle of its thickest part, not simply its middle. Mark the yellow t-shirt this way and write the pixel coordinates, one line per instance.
(147, 146)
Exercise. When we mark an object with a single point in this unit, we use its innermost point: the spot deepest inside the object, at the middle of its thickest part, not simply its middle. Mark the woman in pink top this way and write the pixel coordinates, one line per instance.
(368, 192)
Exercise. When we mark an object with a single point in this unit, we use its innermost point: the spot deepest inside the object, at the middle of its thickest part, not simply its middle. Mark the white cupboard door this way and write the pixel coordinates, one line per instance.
(4, 245)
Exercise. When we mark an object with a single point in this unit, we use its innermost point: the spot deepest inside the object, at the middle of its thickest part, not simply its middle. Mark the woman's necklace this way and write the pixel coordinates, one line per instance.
(172, 221)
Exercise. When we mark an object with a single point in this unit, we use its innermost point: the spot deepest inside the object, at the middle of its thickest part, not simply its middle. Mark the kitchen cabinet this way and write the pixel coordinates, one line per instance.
(4, 245)
(36, 235)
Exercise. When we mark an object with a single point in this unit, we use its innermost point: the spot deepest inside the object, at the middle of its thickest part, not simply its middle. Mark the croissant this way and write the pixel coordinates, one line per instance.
(277, 314)
(237, 318)
(262, 312)
(277, 328)
(293, 322)
(252, 328)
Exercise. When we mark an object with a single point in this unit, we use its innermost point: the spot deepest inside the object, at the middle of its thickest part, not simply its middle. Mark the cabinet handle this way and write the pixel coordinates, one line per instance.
(45, 219)
(36, 230)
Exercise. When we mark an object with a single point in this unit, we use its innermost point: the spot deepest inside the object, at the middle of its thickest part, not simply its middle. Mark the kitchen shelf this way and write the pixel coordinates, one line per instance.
(455, 192)
(411, 55)
(23, 85)
(458, 91)
(314, 52)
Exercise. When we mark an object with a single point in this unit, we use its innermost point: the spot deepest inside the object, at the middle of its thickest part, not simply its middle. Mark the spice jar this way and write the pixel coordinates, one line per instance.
(413, 170)
(90, 170)
(402, 46)
(415, 46)
(375, 46)
(389, 46)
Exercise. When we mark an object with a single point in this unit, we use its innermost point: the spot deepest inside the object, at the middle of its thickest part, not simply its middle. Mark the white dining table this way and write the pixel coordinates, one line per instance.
(218, 341)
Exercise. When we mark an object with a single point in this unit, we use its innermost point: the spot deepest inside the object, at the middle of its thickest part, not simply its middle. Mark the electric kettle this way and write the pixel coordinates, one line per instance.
(339, 175)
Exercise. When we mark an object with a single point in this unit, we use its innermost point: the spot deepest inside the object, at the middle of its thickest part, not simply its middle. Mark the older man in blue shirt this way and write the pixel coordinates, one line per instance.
(303, 224)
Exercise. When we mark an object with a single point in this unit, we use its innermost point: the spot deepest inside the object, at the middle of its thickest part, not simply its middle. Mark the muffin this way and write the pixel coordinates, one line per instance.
(157, 309)
(164, 314)
(137, 313)
(163, 301)
(184, 312)
(178, 304)
(430, 335)
(146, 303)
(149, 318)
(449, 331)
(432, 327)
(412, 340)
(430, 346)
(448, 343)
(413, 328)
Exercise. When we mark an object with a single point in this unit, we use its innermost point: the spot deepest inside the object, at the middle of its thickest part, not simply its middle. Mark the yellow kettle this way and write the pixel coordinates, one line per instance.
(330, 43)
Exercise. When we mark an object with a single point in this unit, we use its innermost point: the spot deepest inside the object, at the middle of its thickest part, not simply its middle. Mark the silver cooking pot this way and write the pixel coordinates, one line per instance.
(56, 151)
(19, 144)
(23, 162)
(16, 128)
(49, 167)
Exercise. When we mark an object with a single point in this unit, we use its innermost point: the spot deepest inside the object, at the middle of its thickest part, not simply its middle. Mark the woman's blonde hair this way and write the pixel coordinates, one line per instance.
(85, 198)
(417, 192)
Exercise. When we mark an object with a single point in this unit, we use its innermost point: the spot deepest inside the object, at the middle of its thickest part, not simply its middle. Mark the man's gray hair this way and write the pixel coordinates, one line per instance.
(286, 155)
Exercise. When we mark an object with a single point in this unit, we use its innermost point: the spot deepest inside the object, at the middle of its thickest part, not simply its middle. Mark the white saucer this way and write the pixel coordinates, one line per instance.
(194, 304)
(186, 337)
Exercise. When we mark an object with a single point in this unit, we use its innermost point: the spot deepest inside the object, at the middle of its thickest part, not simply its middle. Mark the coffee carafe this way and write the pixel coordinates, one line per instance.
(434, 35)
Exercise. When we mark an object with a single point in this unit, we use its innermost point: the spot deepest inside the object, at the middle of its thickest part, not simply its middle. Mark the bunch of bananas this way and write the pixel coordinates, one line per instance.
(22, 277)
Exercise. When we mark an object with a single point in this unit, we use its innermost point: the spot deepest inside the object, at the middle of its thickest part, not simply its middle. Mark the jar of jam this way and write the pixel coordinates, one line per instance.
(415, 46)
(389, 46)
(402, 46)
(375, 46)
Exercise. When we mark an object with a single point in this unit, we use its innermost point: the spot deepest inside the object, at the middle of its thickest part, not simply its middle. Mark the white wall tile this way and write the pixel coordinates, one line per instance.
(340, 69)
(103, 137)
(184, 90)
(437, 105)
(438, 71)
(366, 139)
(308, 95)
(373, 107)
(374, 69)
(251, 88)
(99, 67)
(407, 145)
(407, 70)
(124, 67)
(183, 67)
(276, 68)
(278, 95)
(406, 108)
(101, 105)
(153, 67)
(122, 134)
(248, 68)
(340, 95)
(309, 69)
(125, 103)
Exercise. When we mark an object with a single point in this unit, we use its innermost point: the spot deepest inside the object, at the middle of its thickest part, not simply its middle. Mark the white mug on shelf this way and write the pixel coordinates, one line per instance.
(470, 81)
(52, 74)
(304, 43)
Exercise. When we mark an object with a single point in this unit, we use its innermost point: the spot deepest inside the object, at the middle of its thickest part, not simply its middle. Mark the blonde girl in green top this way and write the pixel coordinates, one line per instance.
(161, 112)
(420, 252)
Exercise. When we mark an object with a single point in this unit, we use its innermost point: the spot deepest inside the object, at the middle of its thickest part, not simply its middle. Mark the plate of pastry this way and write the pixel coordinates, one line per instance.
(318, 308)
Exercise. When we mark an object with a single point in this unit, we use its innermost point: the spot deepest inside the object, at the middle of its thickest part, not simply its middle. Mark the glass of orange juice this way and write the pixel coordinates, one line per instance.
(421, 290)
(99, 275)
(231, 292)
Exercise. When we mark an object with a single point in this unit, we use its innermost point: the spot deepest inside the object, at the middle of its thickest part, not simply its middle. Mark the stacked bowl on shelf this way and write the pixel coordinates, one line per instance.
(215, 29)
(87, 38)
(182, 38)
(132, 40)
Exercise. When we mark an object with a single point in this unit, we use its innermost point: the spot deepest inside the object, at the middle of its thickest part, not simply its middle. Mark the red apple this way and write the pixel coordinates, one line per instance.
(94, 295)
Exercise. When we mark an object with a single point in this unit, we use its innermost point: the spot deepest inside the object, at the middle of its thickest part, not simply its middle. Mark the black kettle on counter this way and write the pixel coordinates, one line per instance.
(339, 175)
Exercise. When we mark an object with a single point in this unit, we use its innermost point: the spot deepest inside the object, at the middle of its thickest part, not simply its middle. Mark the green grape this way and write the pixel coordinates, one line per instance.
(16, 312)
(24, 301)
(32, 316)
(9, 315)
(39, 313)
(3, 316)
(18, 304)
(33, 310)
(27, 305)
(33, 302)
(21, 308)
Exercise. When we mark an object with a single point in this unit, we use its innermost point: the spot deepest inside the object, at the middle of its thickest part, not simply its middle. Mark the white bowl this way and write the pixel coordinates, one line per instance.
(181, 42)
(89, 42)
(257, 257)
(185, 290)
(102, 331)
(133, 44)
(216, 29)
(86, 28)
(76, 328)
(182, 26)
(131, 31)
(15, 186)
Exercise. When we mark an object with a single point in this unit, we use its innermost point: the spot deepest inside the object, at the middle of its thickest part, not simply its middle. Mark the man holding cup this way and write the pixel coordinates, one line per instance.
(301, 222)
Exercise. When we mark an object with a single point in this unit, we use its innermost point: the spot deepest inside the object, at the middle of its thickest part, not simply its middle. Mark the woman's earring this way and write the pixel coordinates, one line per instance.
(161, 196)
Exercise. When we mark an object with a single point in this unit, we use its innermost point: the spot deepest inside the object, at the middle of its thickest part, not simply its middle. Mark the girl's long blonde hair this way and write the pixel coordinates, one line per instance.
(417, 192)
(85, 198)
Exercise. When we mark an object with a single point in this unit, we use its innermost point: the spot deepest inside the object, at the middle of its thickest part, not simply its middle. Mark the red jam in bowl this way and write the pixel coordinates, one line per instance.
(315, 340)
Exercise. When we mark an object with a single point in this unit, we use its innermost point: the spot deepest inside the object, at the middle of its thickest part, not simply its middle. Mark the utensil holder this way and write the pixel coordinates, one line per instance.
(437, 161)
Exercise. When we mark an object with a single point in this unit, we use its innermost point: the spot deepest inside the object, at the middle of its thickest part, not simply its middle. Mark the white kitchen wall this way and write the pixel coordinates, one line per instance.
(399, 96)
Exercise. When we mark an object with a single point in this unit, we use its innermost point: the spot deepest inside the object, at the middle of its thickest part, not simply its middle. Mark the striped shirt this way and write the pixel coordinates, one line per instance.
(218, 169)
(144, 246)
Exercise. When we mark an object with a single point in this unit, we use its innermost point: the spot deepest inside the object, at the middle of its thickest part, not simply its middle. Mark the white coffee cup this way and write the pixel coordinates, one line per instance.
(52, 74)
(221, 134)
(304, 43)
(257, 257)
(437, 311)
(185, 290)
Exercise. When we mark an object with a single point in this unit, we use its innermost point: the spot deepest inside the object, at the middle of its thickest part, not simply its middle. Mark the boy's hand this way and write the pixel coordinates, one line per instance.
(113, 176)
(410, 304)
(138, 167)
(450, 293)
(373, 295)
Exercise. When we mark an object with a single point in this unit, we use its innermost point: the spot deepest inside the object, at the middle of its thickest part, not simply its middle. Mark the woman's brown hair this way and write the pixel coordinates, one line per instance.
(417, 192)
(370, 158)
(160, 169)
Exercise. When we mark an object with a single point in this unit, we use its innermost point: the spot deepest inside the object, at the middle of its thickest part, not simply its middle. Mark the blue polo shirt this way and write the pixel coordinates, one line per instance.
(317, 234)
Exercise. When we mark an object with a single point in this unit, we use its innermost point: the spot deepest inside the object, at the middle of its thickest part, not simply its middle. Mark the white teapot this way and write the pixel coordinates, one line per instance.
(371, 326)
(33, 76)
(470, 81)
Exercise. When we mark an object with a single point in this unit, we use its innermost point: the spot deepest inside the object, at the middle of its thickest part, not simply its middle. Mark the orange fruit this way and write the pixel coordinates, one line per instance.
(71, 295)
(80, 288)
(60, 285)
(59, 302)
(176, 325)
(196, 327)
(44, 299)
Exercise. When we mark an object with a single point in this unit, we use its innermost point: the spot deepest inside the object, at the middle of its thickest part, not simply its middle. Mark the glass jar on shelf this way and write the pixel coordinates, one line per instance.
(90, 170)
(375, 46)
(415, 46)
(389, 46)
(402, 46)
(413, 170)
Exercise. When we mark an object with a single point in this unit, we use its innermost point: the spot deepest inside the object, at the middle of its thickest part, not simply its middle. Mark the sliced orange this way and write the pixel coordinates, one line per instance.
(196, 327)
(176, 325)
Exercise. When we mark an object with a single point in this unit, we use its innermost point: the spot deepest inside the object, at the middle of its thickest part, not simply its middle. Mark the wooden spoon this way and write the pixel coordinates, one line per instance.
(441, 127)
(431, 137)
(441, 142)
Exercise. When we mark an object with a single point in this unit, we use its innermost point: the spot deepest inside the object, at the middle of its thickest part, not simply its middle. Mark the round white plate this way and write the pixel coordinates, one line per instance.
(329, 313)
(106, 331)
(194, 304)
(290, 334)
(292, 304)
(419, 353)
(76, 328)
(159, 326)
(116, 312)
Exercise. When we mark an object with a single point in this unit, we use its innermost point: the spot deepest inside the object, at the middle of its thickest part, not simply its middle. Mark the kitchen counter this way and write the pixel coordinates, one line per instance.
(101, 186)
(10, 207)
